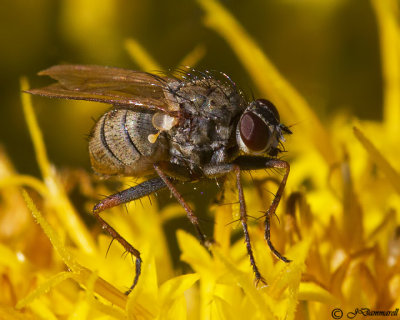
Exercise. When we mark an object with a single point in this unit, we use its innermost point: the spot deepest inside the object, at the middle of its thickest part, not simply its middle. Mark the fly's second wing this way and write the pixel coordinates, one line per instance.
(109, 85)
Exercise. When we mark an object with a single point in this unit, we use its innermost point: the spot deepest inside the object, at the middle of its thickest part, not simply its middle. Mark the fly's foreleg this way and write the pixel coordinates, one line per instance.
(243, 220)
(280, 164)
(256, 163)
(215, 171)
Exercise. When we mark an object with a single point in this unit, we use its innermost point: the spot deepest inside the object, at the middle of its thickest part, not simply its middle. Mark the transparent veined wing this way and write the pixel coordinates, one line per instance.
(116, 86)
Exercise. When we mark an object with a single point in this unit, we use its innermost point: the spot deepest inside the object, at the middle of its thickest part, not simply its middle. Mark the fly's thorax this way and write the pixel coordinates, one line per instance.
(209, 111)
(207, 97)
(119, 143)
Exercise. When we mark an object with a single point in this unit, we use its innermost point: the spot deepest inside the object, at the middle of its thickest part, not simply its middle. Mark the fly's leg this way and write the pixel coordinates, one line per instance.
(128, 247)
(280, 164)
(255, 163)
(141, 190)
(125, 196)
(243, 220)
(189, 212)
(223, 169)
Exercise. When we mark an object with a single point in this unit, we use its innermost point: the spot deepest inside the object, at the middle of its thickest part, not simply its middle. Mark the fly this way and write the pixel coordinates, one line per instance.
(195, 126)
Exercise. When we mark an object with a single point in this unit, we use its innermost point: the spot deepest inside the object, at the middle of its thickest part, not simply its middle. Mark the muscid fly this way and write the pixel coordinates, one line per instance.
(194, 126)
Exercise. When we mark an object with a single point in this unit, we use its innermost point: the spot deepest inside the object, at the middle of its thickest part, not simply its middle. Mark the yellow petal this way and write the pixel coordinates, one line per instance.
(141, 56)
(194, 253)
(379, 159)
(312, 292)
(171, 293)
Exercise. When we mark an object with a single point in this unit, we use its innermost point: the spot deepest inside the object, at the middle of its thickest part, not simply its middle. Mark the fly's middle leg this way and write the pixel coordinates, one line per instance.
(189, 212)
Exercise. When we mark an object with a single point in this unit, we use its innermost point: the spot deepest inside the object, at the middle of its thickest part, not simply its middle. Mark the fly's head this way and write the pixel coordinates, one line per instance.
(259, 131)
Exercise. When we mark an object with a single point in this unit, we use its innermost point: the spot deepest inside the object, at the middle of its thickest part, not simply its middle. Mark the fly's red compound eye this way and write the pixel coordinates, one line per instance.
(254, 132)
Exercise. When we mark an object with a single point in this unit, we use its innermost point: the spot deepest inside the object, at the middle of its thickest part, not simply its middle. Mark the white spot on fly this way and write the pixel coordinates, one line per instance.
(163, 122)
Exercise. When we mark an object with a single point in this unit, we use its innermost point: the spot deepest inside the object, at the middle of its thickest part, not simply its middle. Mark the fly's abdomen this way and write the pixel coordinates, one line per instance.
(119, 143)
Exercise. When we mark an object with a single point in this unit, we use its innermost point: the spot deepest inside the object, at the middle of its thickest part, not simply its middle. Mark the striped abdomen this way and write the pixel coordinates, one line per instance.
(119, 143)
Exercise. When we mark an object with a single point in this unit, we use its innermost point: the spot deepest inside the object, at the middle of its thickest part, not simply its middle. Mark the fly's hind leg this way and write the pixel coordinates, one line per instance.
(128, 247)
(139, 191)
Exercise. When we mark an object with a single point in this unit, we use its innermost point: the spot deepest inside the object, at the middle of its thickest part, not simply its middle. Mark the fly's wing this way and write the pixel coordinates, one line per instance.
(109, 85)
